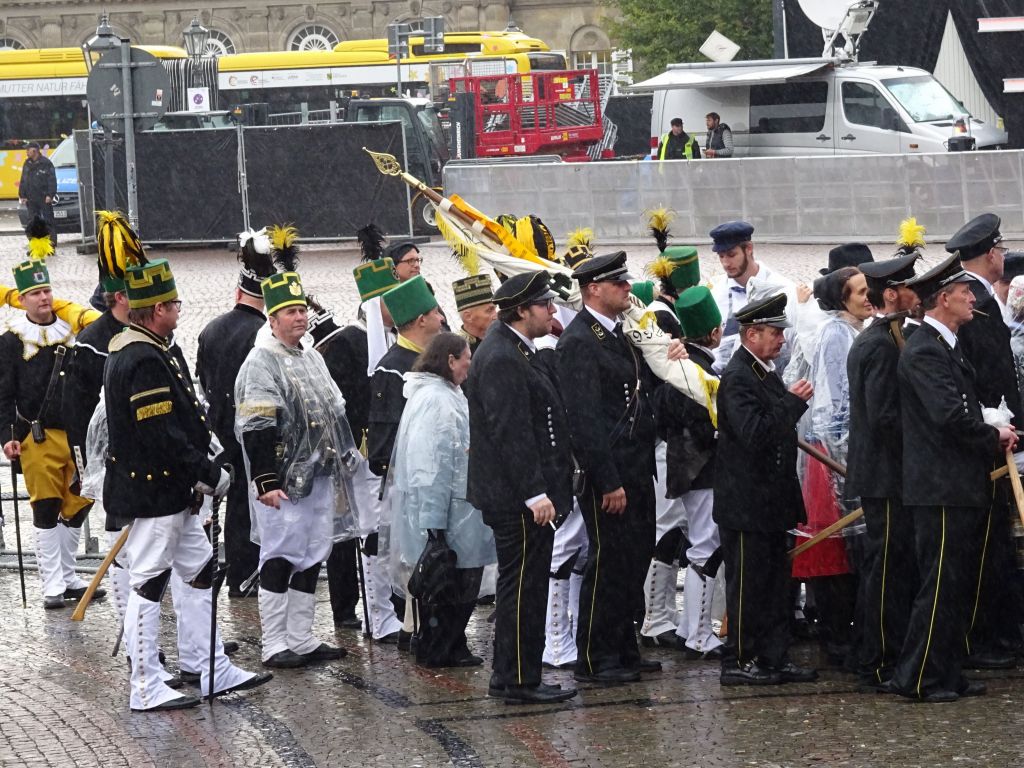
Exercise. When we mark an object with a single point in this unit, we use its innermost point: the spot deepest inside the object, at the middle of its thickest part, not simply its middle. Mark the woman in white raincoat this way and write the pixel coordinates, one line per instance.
(429, 470)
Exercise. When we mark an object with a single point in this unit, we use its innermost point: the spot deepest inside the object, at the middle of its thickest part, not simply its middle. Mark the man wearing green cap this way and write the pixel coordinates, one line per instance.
(290, 420)
(474, 299)
(157, 469)
(33, 356)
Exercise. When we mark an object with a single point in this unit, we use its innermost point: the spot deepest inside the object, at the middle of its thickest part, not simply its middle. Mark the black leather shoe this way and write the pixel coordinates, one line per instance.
(236, 593)
(349, 622)
(692, 654)
(78, 594)
(749, 674)
(970, 688)
(323, 652)
(872, 685)
(537, 694)
(285, 660)
(791, 673)
(666, 639)
(989, 660)
(567, 665)
(53, 601)
(255, 681)
(613, 676)
(939, 697)
(404, 640)
(391, 639)
(496, 689)
(189, 678)
(174, 683)
(182, 702)
(469, 660)
(646, 665)
(230, 647)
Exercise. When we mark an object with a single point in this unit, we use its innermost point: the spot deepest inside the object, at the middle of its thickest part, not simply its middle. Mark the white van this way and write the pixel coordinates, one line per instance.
(813, 107)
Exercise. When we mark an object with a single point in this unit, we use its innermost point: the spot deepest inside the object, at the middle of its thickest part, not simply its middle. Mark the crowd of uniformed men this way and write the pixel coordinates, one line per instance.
(584, 478)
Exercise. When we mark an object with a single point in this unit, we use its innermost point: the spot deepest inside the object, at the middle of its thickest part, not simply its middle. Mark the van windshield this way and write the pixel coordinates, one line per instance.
(925, 99)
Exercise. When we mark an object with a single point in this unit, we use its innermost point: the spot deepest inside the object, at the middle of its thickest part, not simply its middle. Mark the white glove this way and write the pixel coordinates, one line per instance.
(223, 483)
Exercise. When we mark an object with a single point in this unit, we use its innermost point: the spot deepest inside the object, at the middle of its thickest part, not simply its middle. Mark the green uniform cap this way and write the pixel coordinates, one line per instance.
(282, 289)
(472, 291)
(111, 284)
(698, 312)
(643, 290)
(31, 275)
(375, 277)
(408, 300)
(149, 284)
(686, 266)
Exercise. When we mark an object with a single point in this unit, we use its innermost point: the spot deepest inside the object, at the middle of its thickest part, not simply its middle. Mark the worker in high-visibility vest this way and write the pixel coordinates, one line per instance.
(677, 144)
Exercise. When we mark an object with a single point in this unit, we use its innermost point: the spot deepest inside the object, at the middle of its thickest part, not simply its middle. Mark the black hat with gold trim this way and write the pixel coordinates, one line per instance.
(579, 248)
(523, 288)
(149, 284)
(473, 291)
(946, 272)
(31, 275)
(770, 311)
(374, 278)
(284, 287)
(118, 247)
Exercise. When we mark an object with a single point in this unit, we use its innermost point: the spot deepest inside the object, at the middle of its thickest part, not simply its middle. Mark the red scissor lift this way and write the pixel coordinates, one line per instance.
(540, 113)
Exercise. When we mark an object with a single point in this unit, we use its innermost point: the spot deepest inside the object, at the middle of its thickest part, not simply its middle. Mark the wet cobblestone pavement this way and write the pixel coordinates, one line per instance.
(65, 698)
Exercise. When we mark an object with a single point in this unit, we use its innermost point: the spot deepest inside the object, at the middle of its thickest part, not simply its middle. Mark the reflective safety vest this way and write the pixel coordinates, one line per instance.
(687, 148)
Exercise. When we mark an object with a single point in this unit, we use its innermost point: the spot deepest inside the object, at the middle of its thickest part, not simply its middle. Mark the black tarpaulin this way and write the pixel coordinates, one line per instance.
(318, 178)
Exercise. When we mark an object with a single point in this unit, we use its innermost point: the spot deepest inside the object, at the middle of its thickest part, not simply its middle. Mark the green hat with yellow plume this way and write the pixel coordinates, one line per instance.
(283, 288)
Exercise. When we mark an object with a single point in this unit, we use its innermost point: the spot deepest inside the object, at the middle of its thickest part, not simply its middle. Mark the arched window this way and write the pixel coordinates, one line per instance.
(313, 37)
(219, 44)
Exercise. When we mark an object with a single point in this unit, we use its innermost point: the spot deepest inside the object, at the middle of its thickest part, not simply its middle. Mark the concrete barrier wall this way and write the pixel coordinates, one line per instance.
(787, 199)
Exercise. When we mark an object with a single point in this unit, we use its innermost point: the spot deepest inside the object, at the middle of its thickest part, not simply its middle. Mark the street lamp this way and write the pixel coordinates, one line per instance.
(104, 40)
(196, 37)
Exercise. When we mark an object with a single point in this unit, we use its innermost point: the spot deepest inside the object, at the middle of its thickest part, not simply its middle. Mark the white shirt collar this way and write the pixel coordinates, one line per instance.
(607, 322)
(768, 366)
(528, 342)
(982, 280)
(944, 332)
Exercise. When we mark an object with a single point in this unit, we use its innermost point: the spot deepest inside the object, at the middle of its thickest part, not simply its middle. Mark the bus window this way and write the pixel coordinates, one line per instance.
(44, 119)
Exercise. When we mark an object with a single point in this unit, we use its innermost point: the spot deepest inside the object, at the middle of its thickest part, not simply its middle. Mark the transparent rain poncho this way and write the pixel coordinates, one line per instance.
(290, 391)
(96, 441)
(426, 485)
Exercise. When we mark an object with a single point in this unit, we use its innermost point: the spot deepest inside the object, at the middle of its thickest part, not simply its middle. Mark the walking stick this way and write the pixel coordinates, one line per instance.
(17, 531)
(839, 524)
(214, 537)
(97, 578)
(362, 590)
(1018, 491)
(828, 461)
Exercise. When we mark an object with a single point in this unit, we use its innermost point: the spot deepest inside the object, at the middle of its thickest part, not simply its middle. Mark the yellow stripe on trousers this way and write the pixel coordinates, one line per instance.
(597, 568)
(519, 605)
(935, 603)
(881, 607)
(981, 573)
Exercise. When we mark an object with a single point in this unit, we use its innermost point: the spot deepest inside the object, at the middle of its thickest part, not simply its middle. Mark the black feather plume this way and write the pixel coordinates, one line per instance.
(371, 242)
(284, 242)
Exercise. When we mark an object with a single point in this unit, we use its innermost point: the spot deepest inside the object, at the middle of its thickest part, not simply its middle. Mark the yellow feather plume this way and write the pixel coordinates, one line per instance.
(581, 236)
(282, 237)
(39, 248)
(660, 268)
(911, 234)
(660, 218)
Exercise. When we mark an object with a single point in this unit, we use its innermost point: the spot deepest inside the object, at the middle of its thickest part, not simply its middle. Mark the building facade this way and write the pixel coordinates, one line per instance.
(574, 26)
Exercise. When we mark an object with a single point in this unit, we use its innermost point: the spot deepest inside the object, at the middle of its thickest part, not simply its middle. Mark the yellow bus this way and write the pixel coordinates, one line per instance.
(42, 98)
(300, 81)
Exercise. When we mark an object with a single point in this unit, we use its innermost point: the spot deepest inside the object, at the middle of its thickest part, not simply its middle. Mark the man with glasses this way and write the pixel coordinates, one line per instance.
(158, 466)
(993, 635)
(409, 264)
(520, 477)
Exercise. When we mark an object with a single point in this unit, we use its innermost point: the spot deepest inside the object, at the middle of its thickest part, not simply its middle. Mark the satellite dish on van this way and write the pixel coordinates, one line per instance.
(827, 14)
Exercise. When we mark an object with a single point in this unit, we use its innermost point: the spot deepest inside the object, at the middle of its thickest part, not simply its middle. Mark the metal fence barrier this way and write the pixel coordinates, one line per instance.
(787, 199)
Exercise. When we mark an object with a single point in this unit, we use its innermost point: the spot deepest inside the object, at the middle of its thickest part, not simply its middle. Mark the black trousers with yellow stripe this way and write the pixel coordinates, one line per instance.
(946, 541)
(889, 585)
(757, 575)
(524, 559)
(995, 613)
(612, 592)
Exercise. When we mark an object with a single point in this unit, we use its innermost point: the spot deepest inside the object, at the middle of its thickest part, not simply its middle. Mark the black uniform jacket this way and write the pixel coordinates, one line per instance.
(604, 384)
(23, 384)
(159, 440)
(756, 487)
(949, 449)
(387, 401)
(875, 460)
(689, 435)
(223, 346)
(85, 379)
(346, 356)
(986, 346)
(521, 445)
(38, 179)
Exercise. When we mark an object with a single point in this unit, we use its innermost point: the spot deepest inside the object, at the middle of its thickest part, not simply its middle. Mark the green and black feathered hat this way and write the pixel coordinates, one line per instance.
(118, 248)
(284, 287)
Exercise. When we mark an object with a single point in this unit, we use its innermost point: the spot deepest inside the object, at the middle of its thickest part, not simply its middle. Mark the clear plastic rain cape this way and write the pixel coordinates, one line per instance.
(290, 391)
